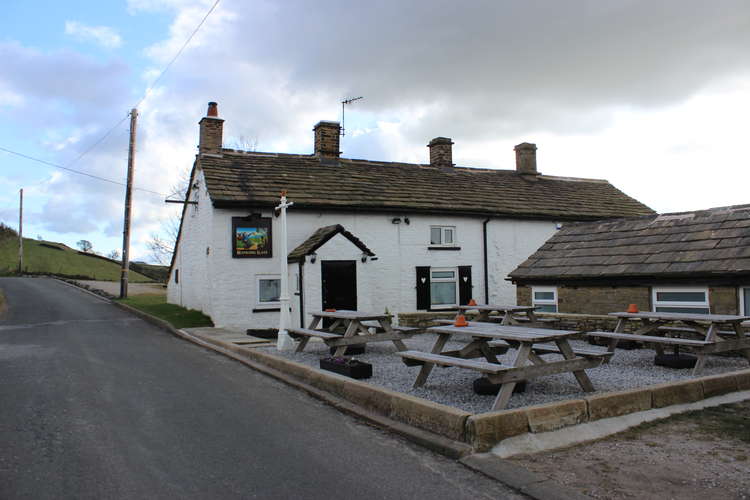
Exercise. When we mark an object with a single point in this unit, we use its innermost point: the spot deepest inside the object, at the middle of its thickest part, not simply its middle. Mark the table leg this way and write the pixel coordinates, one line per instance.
(388, 328)
(304, 340)
(567, 352)
(351, 330)
(506, 390)
(427, 367)
(507, 319)
(741, 336)
(711, 336)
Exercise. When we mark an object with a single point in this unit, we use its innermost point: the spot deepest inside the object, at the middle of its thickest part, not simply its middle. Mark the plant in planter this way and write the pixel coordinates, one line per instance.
(347, 366)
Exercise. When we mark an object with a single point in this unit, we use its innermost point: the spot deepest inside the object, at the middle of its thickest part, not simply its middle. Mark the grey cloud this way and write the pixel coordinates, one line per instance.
(532, 65)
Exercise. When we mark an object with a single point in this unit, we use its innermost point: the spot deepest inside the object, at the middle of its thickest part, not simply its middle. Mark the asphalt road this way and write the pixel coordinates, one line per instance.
(95, 403)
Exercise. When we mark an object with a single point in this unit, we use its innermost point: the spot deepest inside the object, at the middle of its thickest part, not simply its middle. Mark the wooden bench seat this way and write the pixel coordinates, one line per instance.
(314, 333)
(583, 352)
(649, 338)
(438, 359)
(402, 329)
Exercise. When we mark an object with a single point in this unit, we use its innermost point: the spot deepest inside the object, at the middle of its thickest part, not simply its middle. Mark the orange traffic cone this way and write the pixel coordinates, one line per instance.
(632, 308)
(460, 321)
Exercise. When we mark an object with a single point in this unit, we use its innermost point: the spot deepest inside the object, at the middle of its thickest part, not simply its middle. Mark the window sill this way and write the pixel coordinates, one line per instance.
(443, 248)
(266, 309)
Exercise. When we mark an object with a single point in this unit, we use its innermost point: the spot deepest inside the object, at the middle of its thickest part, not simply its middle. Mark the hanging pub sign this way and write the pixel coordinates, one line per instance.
(251, 237)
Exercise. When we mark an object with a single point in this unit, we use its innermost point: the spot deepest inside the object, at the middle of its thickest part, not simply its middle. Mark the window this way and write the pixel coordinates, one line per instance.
(443, 288)
(681, 300)
(443, 236)
(177, 276)
(269, 290)
(745, 300)
(544, 298)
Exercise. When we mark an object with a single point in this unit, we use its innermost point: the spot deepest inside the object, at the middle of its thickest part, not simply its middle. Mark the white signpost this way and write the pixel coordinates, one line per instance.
(284, 341)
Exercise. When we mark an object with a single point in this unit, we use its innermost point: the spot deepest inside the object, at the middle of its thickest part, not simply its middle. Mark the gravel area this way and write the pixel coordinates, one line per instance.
(453, 386)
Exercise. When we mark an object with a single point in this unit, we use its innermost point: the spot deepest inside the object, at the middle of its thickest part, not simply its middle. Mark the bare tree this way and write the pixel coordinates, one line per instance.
(85, 246)
(114, 255)
(162, 243)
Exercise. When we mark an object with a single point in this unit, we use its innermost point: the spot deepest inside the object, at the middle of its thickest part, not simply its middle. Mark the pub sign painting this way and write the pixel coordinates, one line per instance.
(251, 237)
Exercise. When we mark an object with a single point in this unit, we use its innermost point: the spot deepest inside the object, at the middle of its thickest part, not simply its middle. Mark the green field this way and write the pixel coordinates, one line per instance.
(45, 257)
(178, 317)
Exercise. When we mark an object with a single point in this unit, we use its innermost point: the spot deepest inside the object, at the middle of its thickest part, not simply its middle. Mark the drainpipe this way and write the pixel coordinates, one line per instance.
(486, 273)
(301, 294)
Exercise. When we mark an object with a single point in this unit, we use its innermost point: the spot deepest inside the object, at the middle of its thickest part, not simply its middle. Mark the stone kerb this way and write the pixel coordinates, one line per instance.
(485, 430)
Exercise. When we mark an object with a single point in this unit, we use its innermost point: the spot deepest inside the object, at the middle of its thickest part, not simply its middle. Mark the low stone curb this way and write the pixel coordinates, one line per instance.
(485, 430)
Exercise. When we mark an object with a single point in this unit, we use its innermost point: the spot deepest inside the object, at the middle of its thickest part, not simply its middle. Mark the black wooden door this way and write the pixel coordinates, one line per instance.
(339, 284)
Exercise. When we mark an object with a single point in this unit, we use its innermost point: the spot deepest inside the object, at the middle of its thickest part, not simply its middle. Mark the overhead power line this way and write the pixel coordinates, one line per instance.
(179, 52)
(112, 129)
(45, 162)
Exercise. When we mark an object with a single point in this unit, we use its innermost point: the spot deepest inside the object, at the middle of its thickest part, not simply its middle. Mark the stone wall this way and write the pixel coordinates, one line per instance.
(723, 300)
(593, 300)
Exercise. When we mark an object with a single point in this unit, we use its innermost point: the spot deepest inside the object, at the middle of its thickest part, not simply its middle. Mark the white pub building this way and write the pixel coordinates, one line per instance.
(364, 234)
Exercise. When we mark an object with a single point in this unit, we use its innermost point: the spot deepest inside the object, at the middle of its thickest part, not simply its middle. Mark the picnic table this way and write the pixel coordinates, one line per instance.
(711, 333)
(356, 326)
(529, 345)
(505, 311)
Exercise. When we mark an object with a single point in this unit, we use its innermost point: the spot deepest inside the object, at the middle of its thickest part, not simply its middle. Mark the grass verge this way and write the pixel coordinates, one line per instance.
(178, 317)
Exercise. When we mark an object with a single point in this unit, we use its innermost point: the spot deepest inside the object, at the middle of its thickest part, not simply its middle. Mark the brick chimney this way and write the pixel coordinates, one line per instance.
(211, 131)
(327, 136)
(526, 158)
(441, 152)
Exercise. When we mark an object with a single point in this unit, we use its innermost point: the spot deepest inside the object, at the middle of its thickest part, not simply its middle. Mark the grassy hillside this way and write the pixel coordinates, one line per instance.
(45, 257)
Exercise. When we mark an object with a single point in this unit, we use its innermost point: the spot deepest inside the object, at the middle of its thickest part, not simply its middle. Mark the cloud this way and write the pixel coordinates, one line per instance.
(584, 79)
(102, 35)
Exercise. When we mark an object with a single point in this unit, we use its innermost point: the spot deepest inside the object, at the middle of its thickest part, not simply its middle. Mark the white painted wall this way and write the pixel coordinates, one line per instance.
(190, 256)
(229, 296)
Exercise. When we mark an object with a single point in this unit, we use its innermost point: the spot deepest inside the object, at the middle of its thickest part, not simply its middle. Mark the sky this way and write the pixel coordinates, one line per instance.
(653, 96)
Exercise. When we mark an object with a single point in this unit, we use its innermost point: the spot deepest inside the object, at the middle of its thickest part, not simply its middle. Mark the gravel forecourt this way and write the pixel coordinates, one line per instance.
(453, 386)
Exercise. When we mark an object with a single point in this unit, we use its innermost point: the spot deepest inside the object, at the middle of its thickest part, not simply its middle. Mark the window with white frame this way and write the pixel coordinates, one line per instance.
(544, 298)
(443, 287)
(268, 289)
(745, 300)
(443, 236)
(681, 299)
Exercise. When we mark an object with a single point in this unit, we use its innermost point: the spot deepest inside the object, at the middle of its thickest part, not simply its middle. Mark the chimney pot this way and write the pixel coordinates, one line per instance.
(211, 128)
(526, 158)
(327, 137)
(441, 152)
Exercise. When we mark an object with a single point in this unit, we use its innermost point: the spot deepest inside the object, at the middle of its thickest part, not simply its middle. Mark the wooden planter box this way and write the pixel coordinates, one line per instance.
(352, 368)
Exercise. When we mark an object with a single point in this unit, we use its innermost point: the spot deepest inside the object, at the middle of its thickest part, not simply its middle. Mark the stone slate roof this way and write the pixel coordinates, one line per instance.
(707, 243)
(242, 179)
(320, 237)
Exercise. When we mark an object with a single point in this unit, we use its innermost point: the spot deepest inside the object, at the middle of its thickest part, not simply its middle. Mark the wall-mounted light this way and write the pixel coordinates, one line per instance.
(406, 220)
(313, 258)
(364, 258)
(396, 220)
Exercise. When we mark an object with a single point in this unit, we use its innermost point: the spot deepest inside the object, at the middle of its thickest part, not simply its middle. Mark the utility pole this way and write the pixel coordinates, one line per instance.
(20, 234)
(128, 196)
